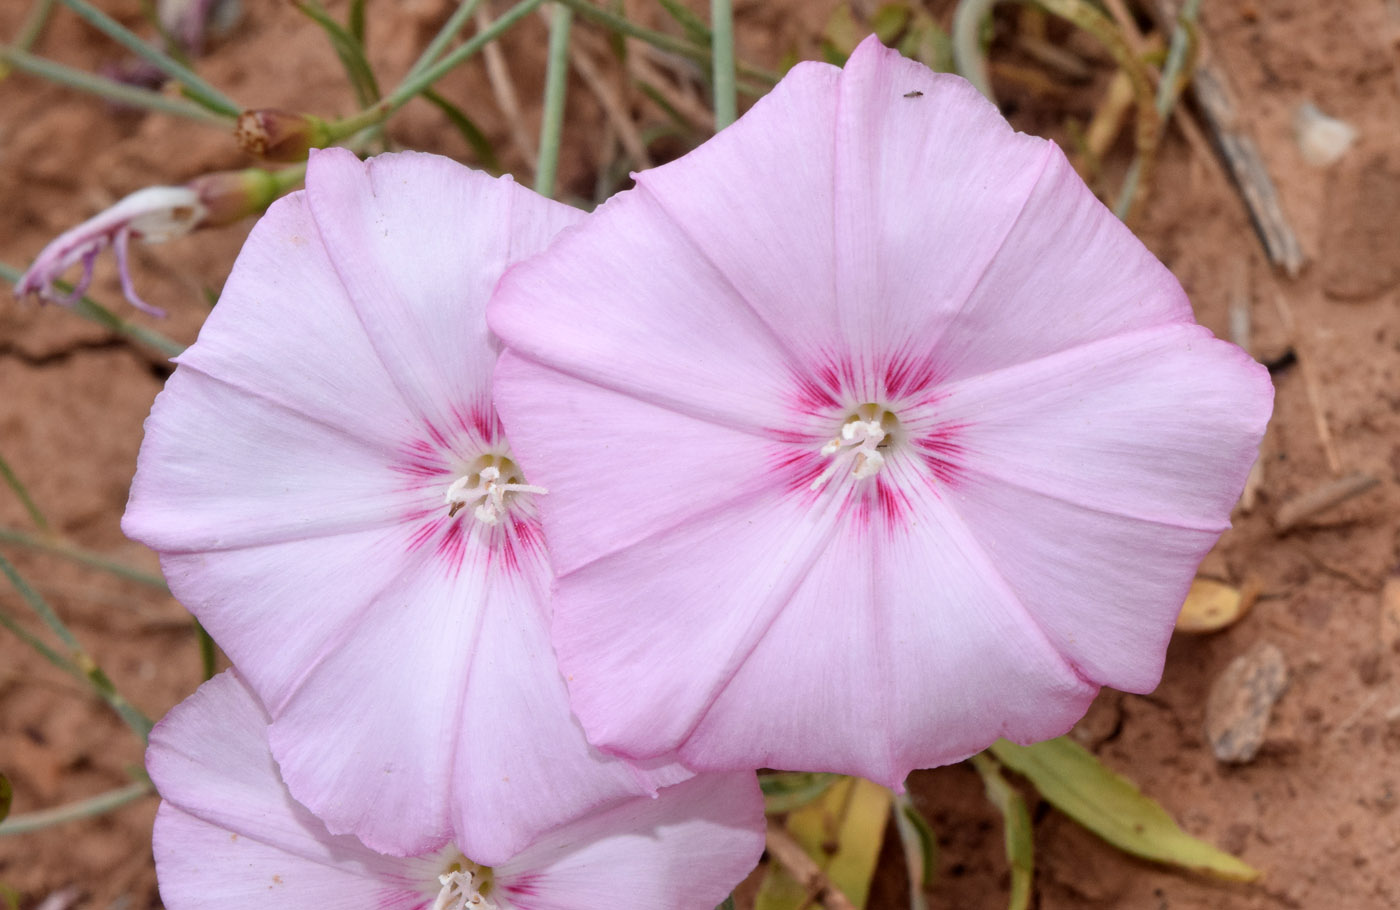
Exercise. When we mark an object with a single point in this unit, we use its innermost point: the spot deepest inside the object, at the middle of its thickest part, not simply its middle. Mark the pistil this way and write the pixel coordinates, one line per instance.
(487, 490)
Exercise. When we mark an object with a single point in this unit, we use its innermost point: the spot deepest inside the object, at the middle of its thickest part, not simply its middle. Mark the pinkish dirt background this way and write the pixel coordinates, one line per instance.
(1315, 810)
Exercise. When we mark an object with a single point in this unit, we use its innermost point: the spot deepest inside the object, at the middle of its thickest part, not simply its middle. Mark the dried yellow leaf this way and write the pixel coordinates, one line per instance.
(1210, 605)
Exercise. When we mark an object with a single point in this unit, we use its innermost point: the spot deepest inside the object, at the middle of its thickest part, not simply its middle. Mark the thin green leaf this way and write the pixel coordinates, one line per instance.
(79, 555)
(722, 63)
(13, 482)
(355, 21)
(889, 21)
(445, 36)
(481, 146)
(920, 848)
(93, 311)
(350, 51)
(1075, 782)
(785, 791)
(86, 666)
(43, 650)
(83, 808)
(207, 652)
(33, 25)
(1020, 839)
(728, 903)
(695, 28)
(7, 795)
(842, 831)
(195, 88)
(110, 89)
(556, 85)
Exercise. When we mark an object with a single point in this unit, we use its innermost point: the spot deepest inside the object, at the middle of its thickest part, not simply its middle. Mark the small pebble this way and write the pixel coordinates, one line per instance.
(1323, 140)
(1241, 699)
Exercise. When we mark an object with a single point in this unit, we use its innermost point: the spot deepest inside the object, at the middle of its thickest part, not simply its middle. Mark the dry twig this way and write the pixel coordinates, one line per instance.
(790, 855)
(1241, 156)
(503, 87)
(1298, 509)
(1310, 384)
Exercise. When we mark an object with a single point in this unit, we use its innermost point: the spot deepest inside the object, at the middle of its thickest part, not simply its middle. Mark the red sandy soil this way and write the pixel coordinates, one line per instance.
(1315, 810)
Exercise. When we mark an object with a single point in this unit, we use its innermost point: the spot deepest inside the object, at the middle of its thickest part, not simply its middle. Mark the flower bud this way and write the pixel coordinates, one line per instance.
(230, 195)
(280, 136)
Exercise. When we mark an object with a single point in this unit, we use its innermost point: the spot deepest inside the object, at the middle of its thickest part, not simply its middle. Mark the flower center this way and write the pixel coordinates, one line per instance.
(488, 485)
(466, 886)
(863, 442)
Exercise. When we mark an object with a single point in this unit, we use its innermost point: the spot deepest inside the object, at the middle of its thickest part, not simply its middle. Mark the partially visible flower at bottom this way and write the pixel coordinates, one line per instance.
(154, 214)
(228, 836)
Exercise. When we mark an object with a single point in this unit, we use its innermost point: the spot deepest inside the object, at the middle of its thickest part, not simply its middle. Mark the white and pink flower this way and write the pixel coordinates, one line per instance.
(331, 493)
(871, 436)
(229, 836)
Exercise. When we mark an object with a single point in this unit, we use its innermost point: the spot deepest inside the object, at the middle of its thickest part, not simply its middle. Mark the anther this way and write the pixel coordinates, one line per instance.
(859, 443)
(487, 494)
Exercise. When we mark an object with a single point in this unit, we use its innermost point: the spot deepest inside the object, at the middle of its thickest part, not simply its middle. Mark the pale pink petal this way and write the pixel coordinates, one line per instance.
(600, 504)
(223, 468)
(368, 738)
(684, 850)
(644, 302)
(1101, 476)
(1068, 274)
(285, 331)
(923, 657)
(209, 759)
(419, 242)
(274, 624)
(929, 180)
(523, 763)
(648, 636)
(205, 867)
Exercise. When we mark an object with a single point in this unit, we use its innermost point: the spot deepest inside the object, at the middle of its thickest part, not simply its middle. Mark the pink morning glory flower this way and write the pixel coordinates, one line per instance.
(871, 436)
(229, 836)
(331, 493)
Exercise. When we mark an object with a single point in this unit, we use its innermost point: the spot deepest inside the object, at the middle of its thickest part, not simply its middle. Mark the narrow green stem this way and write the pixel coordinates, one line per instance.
(87, 667)
(663, 41)
(1169, 88)
(37, 643)
(1168, 91)
(971, 63)
(194, 86)
(110, 89)
(556, 86)
(57, 547)
(39, 606)
(207, 653)
(14, 483)
(83, 808)
(411, 86)
(454, 24)
(34, 23)
(93, 311)
(722, 56)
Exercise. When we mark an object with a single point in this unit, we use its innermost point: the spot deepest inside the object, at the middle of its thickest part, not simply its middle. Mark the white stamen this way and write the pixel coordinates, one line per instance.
(488, 494)
(858, 443)
(459, 893)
